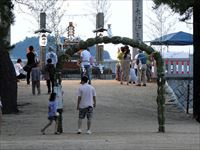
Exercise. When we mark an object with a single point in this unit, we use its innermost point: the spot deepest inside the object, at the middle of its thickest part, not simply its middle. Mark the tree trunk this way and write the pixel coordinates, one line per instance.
(8, 83)
(196, 56)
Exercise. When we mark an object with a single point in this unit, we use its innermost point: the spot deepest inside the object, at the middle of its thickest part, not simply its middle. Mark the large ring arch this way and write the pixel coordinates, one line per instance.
(142, 46)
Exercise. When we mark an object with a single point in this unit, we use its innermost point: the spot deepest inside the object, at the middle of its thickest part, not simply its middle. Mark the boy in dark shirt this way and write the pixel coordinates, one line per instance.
(50, 71)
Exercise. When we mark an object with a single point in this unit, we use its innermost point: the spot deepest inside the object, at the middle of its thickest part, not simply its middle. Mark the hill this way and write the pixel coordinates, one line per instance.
(19, 51)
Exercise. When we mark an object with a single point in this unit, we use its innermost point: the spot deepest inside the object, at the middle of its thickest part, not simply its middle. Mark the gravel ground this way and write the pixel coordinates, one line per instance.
(125, 119)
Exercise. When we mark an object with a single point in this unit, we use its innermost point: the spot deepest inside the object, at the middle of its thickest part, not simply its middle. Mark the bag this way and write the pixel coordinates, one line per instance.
(27, 68)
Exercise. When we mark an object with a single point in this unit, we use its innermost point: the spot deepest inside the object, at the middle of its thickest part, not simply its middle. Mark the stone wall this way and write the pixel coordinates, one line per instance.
(183, 90)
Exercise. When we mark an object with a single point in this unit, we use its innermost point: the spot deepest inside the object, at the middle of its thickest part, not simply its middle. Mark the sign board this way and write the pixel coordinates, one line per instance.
(137, 22)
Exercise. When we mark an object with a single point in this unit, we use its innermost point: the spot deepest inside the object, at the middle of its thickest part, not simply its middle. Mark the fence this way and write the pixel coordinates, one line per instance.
(178, 67)
(179, 75)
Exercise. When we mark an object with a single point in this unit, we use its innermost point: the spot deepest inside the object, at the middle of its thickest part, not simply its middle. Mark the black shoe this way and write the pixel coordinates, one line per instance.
(42, 131)
(56, 133)
(144, 85)
(138, 84)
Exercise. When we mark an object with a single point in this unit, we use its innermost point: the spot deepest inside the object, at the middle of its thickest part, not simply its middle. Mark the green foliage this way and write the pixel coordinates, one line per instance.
(7, 18)
(126, 41)
(90, 42)
(61, 60)
(180, 6)
(116, 40)
(106, 39)
(82, 45)
(99, 40)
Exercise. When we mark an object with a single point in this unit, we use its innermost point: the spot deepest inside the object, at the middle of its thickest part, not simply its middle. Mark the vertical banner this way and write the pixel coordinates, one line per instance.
(182, 67)
(172, 67)
(176, 66)
(137, 22)
(188, 66)
(166, 66)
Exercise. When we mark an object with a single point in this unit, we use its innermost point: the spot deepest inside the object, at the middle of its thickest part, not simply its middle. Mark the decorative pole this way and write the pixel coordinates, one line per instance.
(161, 92)
(99, 29)
(43, 38)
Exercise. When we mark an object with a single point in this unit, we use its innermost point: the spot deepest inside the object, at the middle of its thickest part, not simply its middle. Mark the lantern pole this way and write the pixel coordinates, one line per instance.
(43, 39)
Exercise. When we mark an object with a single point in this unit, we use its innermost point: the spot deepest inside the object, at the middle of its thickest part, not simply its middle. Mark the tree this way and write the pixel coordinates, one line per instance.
(8, 82)
(54, 10)
(187, 9)
(161, 22)
(99, 6)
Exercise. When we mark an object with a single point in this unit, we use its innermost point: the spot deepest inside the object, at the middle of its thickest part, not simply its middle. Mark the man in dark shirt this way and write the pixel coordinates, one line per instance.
(31, 61)
(50, 71)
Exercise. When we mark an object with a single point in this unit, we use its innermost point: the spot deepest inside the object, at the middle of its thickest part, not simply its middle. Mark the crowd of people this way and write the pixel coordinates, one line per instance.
(127, 71)
(86, 94)
(132, 71)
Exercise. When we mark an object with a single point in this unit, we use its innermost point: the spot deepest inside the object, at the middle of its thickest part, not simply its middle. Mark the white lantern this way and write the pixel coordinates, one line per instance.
(43, 39)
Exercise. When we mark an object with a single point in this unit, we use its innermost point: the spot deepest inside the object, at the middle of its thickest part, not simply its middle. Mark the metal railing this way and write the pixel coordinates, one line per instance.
(178, 67)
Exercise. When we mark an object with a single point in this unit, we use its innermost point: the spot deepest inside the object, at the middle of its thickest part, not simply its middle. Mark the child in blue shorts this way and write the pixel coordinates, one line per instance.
(52, 113)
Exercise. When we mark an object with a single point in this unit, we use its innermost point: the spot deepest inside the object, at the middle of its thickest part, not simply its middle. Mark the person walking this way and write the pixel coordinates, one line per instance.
(85, 64)
(35, 76)
(52, 113)
(85, 103)
(49, 75)
(59, 98)
(142, 67)
(19, 70)
(31, 61)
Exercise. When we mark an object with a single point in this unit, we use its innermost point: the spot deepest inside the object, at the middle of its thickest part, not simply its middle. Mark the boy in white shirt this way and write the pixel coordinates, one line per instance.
(85, 64)
(85, 103)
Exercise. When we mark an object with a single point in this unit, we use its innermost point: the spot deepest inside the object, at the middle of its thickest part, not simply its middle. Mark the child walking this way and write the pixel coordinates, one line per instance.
(59, 98)
(50, 71)
(52, 113)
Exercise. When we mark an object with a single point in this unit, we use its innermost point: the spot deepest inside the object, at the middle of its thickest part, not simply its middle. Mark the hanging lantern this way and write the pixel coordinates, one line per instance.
(43, 40)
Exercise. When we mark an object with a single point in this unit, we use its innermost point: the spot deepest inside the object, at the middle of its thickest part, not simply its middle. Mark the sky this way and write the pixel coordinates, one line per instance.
(120, 20)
